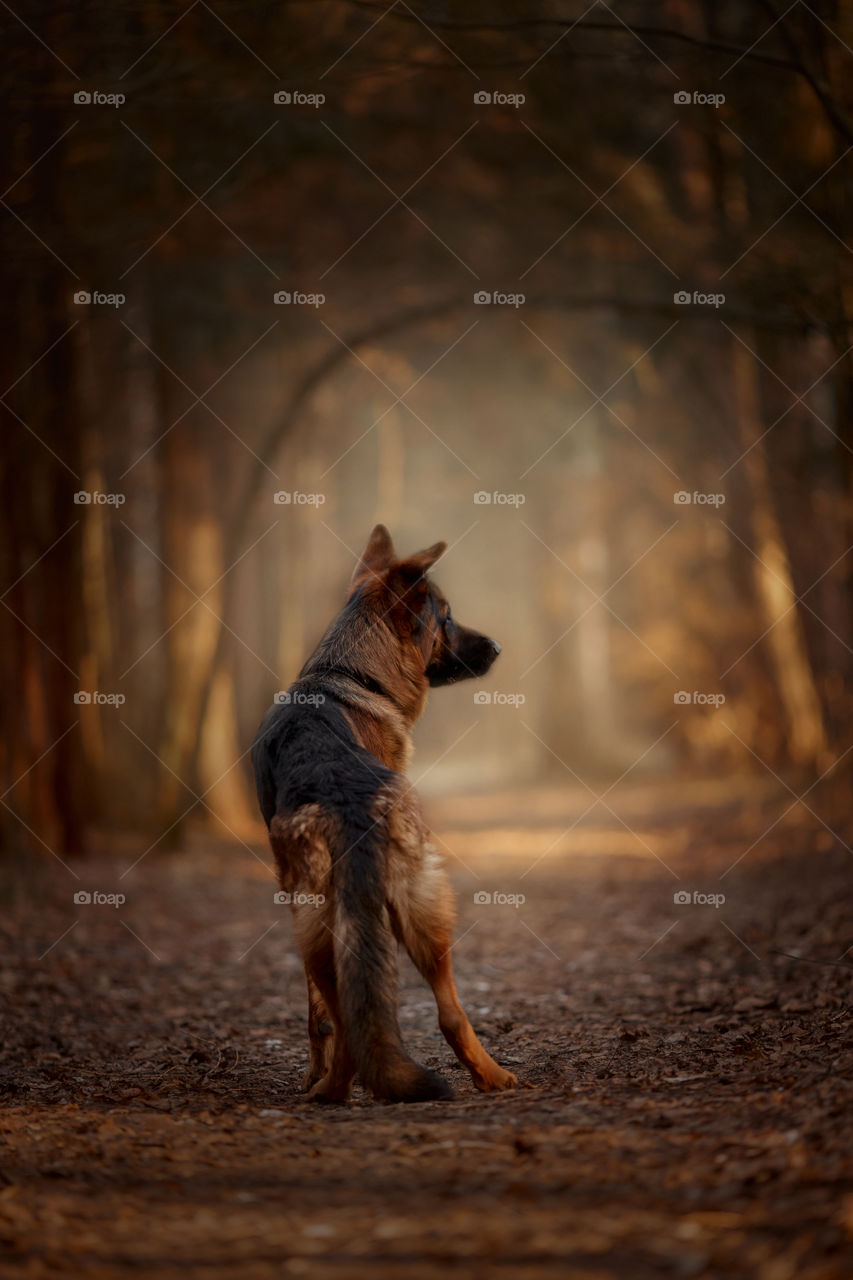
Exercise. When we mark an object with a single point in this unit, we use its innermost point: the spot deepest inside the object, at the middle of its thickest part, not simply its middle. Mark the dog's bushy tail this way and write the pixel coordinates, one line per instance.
(366, 965)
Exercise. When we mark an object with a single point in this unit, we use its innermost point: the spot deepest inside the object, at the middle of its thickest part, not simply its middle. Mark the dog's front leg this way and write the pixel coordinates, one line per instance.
(457, 1029)
(424, 915)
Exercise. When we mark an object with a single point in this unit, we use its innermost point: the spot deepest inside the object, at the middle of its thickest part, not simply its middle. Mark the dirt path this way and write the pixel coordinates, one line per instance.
(688, 1109)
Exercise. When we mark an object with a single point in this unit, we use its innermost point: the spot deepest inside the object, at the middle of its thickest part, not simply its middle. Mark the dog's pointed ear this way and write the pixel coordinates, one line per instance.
(406, 574)
(422, 561)
(378, 555)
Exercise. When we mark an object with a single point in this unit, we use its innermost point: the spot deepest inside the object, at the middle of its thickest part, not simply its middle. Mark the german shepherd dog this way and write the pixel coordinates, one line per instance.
(346, 829)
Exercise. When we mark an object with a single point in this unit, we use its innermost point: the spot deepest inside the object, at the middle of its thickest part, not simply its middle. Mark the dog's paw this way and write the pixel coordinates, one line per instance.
(327, 1090)
(412, 1083)
(311, 1077)
(495, 1081)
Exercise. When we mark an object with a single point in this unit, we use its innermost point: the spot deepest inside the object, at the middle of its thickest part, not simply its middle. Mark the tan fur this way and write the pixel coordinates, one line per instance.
(301, 845)
(423, 913)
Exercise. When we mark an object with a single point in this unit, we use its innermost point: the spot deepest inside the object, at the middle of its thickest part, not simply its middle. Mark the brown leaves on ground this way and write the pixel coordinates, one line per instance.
(689, 1065)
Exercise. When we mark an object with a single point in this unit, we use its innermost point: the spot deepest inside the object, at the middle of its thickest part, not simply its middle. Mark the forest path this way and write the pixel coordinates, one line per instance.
(688, 1098)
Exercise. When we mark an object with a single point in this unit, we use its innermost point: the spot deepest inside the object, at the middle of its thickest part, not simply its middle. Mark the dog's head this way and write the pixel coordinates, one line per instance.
(418, 612)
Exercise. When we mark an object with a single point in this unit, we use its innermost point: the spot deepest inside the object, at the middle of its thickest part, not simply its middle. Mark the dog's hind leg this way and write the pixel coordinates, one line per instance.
(320, 1036)
(366, 966)
(301, 851)
(334, 1086)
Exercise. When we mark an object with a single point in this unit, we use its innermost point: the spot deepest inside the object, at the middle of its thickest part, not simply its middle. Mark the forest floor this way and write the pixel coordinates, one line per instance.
(686, 1097)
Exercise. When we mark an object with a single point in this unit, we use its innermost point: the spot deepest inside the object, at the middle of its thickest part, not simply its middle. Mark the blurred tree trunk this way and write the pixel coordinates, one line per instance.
(389, 483)
(729, 220)
(773, 578)
(292, 577)
(592, 645)
(220, 773)
(193, 560)
(30, 510)
(55, 799)
(142, 624)
(97, 591)
(561, 600)
(200, 741)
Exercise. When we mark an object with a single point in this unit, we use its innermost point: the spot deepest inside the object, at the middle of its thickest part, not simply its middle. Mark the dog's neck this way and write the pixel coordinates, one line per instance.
(364, 649)
(406, 696)
(360, 677)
